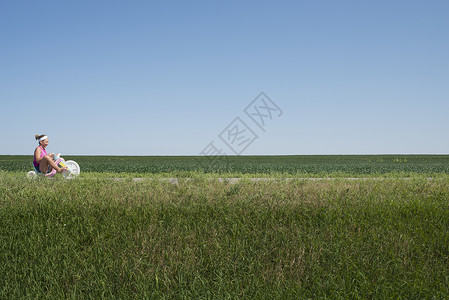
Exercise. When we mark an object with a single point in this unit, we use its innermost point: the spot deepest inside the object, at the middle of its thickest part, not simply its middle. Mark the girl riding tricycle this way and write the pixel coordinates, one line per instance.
(48, 164)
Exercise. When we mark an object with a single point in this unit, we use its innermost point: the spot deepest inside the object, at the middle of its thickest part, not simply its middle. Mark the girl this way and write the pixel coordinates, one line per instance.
(43, 161)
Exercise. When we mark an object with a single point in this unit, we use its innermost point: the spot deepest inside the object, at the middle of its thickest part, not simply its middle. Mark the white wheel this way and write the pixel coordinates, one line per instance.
(31, 174)
(73, 169)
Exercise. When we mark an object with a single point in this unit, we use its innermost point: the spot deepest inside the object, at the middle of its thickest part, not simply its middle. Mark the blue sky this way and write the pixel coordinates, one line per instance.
(167, 77)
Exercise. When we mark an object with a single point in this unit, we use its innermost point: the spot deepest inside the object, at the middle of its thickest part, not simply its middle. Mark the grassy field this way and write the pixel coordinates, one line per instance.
(350, 165)
(98, 237)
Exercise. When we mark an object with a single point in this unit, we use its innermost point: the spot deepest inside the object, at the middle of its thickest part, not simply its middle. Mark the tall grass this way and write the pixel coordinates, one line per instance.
(102, 238)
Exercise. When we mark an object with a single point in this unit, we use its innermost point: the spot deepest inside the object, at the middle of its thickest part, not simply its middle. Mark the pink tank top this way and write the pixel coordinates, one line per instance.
(43, 153)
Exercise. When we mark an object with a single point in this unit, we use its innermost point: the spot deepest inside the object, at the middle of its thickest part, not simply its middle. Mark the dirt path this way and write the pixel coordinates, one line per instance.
(234, 180)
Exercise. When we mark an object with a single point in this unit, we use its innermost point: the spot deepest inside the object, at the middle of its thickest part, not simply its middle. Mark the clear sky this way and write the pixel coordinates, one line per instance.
(167, 77)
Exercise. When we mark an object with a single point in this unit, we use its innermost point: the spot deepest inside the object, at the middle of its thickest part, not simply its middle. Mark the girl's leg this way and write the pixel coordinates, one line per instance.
(48, 161)
(43, 166)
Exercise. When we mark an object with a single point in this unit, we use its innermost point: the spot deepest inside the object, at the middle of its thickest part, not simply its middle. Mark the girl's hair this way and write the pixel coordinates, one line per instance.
(38, 136)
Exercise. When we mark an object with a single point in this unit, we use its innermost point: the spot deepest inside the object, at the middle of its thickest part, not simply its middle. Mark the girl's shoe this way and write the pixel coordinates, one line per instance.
(51, 173)
(62, 170)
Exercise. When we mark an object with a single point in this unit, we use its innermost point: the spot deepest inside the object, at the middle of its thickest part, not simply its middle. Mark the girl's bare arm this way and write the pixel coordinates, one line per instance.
(37, 154)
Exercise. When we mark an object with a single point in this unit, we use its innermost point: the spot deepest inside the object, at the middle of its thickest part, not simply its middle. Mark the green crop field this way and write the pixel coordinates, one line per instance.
(383, 233)
(292, 164)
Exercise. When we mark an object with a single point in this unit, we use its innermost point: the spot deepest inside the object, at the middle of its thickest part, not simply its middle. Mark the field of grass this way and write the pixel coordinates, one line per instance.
(292, 164)
(98, 237)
